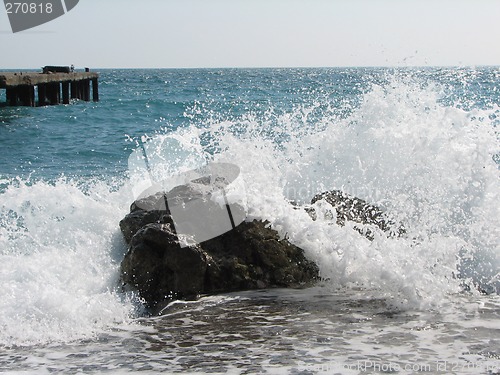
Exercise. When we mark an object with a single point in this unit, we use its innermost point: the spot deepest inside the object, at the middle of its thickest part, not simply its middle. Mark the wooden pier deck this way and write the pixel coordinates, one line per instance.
(22, 86)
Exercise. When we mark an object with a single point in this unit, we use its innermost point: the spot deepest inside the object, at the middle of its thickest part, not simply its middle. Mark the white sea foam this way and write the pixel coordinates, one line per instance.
(429, 165)
(60, 251)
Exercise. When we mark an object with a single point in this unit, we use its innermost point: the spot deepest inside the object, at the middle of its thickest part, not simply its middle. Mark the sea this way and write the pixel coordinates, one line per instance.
(421, 143)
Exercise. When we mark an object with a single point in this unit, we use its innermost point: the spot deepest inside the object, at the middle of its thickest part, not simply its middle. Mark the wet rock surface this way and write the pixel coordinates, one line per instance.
(344, 207)
(250, 256)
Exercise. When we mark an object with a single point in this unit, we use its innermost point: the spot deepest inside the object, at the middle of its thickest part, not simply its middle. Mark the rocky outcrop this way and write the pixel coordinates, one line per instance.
(349, 208)
(163, 266)
(250, 256)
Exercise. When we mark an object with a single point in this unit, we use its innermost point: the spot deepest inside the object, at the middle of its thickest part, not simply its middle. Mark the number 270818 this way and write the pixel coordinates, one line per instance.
(28, 8)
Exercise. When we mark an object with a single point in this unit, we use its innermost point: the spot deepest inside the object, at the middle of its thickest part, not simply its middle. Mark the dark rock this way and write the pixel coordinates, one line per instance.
(160, 269)
(349, 208)
(138, 219)
(250, 256)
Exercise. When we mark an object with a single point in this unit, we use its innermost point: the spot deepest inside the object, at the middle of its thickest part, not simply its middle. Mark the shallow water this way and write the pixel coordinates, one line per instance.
(285, 331)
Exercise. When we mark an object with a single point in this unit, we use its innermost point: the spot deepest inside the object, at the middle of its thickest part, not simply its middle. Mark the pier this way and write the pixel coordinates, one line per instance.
(54, 85)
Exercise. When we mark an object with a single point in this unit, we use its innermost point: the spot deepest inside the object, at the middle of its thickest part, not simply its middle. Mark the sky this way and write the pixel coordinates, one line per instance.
(259, 33)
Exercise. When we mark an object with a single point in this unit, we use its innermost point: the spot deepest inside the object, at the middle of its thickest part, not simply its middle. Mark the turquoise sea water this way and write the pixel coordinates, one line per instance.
(422, 143)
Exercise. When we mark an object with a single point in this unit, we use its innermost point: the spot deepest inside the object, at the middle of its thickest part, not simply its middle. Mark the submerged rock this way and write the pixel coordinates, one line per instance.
(349, 208)
(249, 256)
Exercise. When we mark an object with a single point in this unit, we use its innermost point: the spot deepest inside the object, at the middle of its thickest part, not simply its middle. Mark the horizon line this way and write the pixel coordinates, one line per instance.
(278, 67)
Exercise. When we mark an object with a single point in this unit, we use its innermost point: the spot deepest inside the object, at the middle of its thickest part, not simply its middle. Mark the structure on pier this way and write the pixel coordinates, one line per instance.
(49, 84)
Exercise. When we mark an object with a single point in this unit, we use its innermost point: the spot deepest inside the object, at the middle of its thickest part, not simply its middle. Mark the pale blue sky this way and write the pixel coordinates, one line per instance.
(260, 33)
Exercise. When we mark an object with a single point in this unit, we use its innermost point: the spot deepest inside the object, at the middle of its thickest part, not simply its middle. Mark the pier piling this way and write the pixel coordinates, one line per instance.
(65, 92)
(20, 87)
